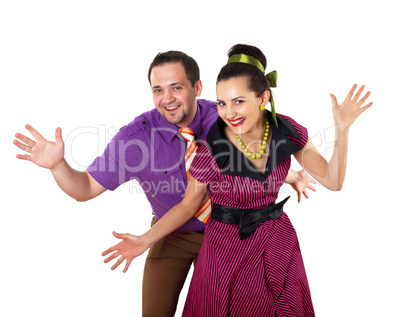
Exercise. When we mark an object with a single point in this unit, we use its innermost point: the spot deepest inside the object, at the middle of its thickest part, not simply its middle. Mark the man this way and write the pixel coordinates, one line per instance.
(151, 150)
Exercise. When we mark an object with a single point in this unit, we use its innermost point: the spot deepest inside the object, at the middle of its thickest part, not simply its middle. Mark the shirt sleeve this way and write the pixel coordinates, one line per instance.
(119, 163)
(204, 168)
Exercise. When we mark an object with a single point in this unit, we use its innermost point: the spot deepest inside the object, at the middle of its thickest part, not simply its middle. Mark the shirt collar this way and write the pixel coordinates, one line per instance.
(233, 162)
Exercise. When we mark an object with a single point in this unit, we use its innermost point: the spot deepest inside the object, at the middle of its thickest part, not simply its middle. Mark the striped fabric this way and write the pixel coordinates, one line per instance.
(188, 134)
(262, 275)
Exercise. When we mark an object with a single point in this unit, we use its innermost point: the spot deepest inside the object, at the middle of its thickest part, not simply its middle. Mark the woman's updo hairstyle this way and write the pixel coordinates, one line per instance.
(256, 79)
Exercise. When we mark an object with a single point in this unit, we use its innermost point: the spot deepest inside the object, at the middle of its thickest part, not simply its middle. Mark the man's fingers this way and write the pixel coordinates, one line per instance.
(58, 136)
(35, 133)
(25, 157)
(23, 147)
(25, 139)
(311, 187)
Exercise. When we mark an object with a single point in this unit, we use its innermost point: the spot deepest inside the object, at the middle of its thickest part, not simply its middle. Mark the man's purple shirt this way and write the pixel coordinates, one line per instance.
(151, 151)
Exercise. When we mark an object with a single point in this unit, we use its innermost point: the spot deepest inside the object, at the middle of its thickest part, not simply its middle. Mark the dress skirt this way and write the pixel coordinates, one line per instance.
(262, 275)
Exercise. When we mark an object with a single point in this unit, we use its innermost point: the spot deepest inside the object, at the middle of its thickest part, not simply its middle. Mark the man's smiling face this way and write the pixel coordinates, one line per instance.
(174, 96)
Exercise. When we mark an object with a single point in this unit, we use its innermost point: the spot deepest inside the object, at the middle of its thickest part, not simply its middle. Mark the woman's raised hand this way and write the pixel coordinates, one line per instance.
(128, 249)
(351, 108)
(43, 153)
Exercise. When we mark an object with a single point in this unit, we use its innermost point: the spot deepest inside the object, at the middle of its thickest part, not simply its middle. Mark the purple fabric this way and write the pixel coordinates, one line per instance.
(151, 151)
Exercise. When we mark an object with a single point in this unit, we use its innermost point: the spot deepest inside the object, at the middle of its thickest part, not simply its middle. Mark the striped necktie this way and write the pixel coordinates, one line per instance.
(188, 134)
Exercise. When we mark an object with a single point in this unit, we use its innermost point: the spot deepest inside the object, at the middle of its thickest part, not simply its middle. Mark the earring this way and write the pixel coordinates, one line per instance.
(262, 107)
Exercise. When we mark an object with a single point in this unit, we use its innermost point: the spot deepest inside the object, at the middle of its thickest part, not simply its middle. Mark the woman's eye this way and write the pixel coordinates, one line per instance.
(238, 102)
(221, 104)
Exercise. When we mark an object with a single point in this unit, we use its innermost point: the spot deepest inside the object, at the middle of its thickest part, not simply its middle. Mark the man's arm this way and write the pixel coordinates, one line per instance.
(79, 185)
(300, 181)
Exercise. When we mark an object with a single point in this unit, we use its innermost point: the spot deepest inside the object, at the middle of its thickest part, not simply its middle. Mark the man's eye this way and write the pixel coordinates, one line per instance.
(177, 88)
(157, 91)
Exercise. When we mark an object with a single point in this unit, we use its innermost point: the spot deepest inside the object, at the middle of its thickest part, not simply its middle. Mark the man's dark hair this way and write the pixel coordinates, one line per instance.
(189, 64)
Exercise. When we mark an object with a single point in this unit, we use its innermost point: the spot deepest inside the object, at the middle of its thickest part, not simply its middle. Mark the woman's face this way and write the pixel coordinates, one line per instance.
(238, 106)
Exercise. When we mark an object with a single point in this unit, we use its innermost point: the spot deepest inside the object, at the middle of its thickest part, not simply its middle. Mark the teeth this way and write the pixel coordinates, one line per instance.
(238, 121)
(172, 108)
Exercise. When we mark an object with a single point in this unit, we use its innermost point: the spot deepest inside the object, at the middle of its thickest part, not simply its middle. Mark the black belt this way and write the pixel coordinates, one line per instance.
(247, 219)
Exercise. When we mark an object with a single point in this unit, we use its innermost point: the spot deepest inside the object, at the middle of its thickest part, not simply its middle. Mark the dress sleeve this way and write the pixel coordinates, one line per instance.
(204, 168)
(301, 130)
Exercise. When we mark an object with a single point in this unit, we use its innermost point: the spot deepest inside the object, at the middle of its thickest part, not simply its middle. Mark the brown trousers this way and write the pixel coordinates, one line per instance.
(166, 269)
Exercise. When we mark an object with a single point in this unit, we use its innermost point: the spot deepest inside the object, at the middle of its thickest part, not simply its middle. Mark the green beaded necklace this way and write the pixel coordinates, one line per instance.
(263, 144)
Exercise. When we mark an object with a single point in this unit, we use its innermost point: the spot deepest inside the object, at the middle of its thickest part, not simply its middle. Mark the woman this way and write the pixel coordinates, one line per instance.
(250, 262)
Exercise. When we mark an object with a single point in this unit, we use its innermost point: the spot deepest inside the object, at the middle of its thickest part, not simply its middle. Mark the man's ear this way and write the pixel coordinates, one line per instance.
(198, 88)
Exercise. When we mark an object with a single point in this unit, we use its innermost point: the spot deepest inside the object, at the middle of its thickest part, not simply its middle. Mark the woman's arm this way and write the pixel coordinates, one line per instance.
(133, 246)
(332, 174)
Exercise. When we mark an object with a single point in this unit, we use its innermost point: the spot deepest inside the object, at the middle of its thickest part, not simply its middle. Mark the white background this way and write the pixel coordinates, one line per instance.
(82, 65)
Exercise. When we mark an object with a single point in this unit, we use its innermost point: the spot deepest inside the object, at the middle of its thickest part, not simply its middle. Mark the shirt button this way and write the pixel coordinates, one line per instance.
(144, 122)
(164, 172)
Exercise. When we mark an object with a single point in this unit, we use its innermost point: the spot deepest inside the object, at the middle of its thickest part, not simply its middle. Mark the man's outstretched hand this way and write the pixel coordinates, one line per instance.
(41, 152)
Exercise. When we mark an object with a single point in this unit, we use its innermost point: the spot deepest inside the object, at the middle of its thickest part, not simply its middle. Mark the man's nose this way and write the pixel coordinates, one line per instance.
(168, 97)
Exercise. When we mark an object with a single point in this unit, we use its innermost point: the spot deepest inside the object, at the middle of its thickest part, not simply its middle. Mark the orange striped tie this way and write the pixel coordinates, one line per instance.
(205, 209)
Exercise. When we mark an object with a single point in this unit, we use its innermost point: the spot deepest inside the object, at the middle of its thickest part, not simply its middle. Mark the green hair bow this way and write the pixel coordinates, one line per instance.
(271, 77)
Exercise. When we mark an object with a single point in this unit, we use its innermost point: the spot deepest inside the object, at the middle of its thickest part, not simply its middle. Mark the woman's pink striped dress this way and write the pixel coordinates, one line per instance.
(262, 275)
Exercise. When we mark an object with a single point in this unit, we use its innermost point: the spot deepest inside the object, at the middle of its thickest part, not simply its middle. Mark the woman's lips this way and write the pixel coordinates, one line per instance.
(237, 122)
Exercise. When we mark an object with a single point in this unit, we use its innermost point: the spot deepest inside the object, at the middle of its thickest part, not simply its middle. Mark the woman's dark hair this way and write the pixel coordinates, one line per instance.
(256, 79)
(189, 64)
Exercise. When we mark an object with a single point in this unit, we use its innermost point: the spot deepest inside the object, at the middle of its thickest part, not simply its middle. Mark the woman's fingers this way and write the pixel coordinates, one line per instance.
(128, 262)
(111, 249)
(113, 256)
(361, 101)
(359, 92)
(366, 107)
(119, 261)
(334, 100)
(120, 235)
(351, 92)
